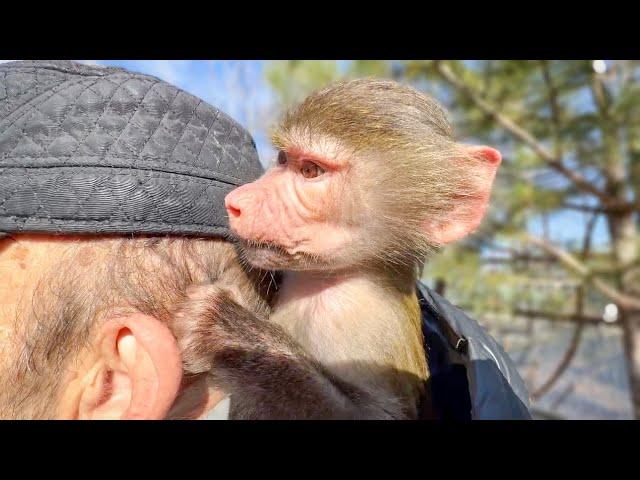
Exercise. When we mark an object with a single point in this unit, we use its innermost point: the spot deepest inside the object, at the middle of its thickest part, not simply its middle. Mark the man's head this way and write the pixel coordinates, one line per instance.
(89, 327)
(111, 193)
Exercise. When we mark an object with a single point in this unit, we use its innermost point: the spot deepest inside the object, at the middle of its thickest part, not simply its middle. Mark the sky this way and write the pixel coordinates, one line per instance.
(239, 88)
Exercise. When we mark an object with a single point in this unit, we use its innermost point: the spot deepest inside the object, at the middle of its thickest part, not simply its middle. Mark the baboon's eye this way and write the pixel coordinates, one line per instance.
(282, 158)
(310, 169)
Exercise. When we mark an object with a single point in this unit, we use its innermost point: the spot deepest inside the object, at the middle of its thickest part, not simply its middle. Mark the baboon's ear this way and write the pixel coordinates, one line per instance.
(469, 209)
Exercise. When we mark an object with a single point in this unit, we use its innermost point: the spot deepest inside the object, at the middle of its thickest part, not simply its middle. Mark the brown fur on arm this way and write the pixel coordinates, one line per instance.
(264, 370)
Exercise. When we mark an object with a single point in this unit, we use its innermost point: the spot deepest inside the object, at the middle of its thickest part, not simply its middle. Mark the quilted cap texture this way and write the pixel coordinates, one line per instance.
(86, 149)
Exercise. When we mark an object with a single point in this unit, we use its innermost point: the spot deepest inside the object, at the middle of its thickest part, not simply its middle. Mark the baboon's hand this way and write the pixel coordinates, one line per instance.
(267, 373)
(214, 323)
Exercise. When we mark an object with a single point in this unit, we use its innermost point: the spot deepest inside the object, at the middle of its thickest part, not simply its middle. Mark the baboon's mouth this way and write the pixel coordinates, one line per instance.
(261, 245)
(273, 256)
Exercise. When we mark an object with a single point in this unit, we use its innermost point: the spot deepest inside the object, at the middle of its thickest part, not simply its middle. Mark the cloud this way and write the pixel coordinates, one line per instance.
(86, 62)
(95, 63)
(172, 71)
(176, 72)
(167, 70)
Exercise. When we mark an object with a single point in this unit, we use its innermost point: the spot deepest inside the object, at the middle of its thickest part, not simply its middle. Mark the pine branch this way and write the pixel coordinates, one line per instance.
(521, 134)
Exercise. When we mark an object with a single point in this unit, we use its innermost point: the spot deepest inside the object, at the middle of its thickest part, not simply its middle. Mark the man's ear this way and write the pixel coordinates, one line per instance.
(469, 207)
(135, 373)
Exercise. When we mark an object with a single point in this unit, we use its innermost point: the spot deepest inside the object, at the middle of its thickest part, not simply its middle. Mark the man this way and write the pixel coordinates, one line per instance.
(111, 203)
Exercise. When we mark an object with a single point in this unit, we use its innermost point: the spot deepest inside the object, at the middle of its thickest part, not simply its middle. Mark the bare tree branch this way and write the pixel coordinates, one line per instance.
(599, 208)
(562, 317)
(563, 364)
(571, 351)
(579, 268)
(522, 257)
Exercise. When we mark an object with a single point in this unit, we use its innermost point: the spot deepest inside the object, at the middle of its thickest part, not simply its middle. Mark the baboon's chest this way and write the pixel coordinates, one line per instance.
(344, 323)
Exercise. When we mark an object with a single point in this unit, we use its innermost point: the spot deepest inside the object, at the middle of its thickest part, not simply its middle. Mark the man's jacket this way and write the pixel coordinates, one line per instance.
(471, 376)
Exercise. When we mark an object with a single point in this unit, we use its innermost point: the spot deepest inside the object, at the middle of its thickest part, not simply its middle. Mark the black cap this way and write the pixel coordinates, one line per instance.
(87, 149)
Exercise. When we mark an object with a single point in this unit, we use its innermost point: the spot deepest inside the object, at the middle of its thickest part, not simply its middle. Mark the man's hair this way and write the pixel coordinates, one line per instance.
(92, 280)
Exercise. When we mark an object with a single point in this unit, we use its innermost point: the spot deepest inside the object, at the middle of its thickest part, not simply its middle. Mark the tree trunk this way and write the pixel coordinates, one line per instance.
(631, 341)
(623, 234)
